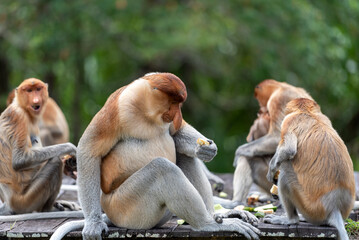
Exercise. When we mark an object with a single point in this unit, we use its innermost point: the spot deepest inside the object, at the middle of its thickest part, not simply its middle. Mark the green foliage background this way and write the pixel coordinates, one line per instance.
(87, 49)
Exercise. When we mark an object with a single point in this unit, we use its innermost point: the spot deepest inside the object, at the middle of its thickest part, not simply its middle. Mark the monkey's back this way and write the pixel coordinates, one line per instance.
(322, 163)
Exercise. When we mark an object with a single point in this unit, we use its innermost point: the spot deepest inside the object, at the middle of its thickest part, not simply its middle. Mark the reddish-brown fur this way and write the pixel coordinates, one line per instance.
(322, 162)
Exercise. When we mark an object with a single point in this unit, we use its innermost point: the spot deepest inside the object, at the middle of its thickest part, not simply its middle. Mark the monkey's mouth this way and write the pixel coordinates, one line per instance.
(36, 107)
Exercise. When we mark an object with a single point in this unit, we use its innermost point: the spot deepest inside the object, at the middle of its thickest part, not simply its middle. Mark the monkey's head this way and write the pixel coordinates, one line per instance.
(32, 95)
(303, 105)
(264, 90)
(170, 92)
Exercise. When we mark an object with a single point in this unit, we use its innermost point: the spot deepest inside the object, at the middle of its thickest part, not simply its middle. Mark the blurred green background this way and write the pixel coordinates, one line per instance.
(87, 49)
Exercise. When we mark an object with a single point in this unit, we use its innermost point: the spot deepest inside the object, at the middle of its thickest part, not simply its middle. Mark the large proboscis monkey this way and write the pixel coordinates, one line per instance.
(316, 172)
(30, 174)
(52, 122)
(140, 160)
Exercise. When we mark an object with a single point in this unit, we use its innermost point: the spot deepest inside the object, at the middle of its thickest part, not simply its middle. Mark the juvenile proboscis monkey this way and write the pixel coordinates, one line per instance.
(250, 170)
(52, 122)
(316, 172)
(251, 159)
(30, 174)
(140, 160)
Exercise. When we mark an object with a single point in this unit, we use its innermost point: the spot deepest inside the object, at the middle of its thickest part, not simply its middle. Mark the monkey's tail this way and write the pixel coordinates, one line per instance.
(42, 215)
(66, 228)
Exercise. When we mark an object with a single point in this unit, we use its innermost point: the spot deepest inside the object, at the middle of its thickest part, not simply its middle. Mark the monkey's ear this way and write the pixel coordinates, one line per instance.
(16, 89)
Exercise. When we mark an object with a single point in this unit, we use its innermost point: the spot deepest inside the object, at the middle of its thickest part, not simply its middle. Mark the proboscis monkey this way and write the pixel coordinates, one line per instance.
(30, 174)
(52, 123)
(316, 172)
(273, 96)
(140, 160)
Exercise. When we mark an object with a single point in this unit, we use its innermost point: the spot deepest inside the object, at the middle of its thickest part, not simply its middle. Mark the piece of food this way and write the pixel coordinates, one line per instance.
(202, 142)
(180, 221)
(265, 207)
(239, 207)
(223, 195)
(276, 175)
(252, 199)
(274, 189)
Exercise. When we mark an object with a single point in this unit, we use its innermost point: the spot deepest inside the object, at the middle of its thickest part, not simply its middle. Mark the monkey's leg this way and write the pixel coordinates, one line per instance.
(42, 192)
(141, 201)
(242, 180)
(259, 167)
(192, 169)
(285, 184)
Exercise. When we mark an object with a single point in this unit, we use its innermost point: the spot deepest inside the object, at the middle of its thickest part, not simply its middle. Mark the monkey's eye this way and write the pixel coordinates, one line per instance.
(29, 90)
(38, 89)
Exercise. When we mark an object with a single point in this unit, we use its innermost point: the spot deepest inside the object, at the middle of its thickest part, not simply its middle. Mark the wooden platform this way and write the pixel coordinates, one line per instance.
(43, 229)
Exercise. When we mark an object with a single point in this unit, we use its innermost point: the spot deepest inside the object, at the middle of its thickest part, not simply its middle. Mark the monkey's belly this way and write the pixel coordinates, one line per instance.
(129, 155)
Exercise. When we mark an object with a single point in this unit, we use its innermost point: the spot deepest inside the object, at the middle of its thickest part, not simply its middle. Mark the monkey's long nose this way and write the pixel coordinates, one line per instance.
(177, 120)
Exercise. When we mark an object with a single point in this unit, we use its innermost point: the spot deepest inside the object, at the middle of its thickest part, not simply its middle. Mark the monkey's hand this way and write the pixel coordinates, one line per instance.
(206, 152)
(232, 225)
(271, 173)
(244, 215)
(93, 230)
(280, 220)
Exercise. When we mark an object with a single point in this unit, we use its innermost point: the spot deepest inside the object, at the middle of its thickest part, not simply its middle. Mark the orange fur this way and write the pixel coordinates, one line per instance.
(322, 163)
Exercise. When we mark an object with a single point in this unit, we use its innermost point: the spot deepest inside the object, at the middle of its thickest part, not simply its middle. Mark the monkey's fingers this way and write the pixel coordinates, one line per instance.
(93, 230)
(244, 215)
(206, 152)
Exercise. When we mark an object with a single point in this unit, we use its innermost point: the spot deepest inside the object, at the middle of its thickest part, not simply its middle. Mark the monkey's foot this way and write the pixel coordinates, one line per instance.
(232, 225)
(244, 215)
(280, 220)
(93, 230)
(63, 205)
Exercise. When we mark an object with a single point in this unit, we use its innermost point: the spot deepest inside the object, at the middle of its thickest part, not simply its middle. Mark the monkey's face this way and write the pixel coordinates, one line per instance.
(169, 92)
(32, 96)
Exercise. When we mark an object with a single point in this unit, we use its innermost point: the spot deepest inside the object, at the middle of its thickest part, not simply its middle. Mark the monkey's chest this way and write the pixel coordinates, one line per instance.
(129, 155)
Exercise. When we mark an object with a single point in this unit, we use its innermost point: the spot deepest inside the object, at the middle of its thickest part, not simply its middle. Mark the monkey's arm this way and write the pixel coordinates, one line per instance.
(265, 145)
(186, 143)
(286, 150)
(99, 138)
(23, 158)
